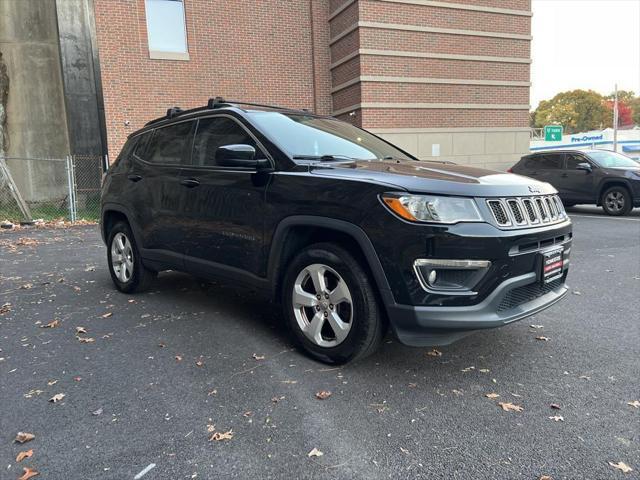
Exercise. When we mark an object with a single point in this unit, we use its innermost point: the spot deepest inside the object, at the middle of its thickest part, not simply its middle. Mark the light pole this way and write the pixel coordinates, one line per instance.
(615, 120)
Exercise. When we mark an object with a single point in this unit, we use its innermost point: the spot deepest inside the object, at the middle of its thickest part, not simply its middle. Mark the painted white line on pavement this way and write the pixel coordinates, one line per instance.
(624, 219)
(144, 471)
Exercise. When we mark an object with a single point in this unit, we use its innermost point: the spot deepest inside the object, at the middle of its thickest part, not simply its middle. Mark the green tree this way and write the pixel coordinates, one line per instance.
(625, 96)
(576, 111)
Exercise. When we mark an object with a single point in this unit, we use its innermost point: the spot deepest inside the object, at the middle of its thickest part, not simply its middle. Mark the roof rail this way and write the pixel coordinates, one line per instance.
(216, 102)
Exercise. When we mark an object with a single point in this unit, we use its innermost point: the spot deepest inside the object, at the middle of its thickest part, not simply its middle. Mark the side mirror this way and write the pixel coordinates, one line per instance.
(584, 166)
(239, 155)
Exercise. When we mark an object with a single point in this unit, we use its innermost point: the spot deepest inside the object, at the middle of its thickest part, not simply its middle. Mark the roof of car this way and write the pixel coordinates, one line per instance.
(218, 104)
(567, 150)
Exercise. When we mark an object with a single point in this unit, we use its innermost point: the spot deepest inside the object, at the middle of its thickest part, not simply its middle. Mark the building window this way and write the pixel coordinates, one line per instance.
(166, 29)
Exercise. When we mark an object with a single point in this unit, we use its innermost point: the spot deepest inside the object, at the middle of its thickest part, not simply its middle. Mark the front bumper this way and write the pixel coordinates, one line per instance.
(515, 299)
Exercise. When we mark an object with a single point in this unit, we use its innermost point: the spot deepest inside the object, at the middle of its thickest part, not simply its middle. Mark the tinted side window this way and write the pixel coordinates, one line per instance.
(169, 144)
(573, 161)
(531, 163)
(141, 146)
(123, 159)
(550, 161)
(215, 132)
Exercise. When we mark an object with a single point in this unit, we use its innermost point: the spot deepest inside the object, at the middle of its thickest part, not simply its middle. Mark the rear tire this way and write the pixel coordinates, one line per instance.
(128, 273)
(616, 201)
(331, 305)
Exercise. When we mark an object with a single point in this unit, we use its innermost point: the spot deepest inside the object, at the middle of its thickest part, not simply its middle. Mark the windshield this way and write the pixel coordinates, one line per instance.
(612, 159)
(305, 137)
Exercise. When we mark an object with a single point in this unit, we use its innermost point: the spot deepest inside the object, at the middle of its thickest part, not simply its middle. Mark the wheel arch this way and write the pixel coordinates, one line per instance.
(614, 182)
(111, 214)
(296, 232)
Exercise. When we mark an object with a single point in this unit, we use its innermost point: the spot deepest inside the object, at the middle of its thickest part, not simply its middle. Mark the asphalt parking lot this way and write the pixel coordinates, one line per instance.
(168, 369)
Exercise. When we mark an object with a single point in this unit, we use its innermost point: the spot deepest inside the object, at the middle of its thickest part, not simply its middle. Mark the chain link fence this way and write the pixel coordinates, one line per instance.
(50, 189)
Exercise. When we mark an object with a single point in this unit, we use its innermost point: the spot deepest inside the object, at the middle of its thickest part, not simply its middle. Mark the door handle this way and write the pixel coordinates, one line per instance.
(190, 182)
(135, 177)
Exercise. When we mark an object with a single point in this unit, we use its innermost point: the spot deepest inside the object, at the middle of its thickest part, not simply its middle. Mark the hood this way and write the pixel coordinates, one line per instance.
(435, 177)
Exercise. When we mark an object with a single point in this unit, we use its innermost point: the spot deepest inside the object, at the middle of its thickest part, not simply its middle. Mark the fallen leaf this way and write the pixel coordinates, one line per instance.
(555, 406)
(510, 407)
(484, 370)
(413, 385)
(536, 327)
(258, 357)
(219, 436)
(24, 437)
(404, 450)
(557, 418)
(277, 399)
(623, 467)
(52, 324)
(545, 477)
(26, 286)
(51, 383)
(634, 404)
(247, 414)
(211, 428)
(77, 379)
(86, 339)
(199, 363)
(57, 397)
(178, 358)
(434, 353)
(315, 453)
(24, 454)
(97, 412)
(323, 394)
(576, 292)
(28, 473)
(212, 392)
(544, 339)
(289, 382)
(468, 369)
(107, 315)
(491, 395)
(80, 330)
(162, 344)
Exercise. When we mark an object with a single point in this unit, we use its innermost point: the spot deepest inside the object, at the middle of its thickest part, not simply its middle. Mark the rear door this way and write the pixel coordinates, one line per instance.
(156, 174)
(223, 206)
(549, 168)
(576, 185)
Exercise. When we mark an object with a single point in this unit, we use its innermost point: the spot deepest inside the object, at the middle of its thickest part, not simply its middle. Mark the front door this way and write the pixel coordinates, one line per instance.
(576, 185)
(223, 207)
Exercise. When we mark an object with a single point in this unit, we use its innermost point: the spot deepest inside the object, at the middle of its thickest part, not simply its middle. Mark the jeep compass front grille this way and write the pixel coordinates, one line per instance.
(520, 212)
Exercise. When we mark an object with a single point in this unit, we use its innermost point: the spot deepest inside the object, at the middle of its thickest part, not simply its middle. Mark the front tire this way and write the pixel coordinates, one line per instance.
(128, 273)
(616, 201)
(331, 306)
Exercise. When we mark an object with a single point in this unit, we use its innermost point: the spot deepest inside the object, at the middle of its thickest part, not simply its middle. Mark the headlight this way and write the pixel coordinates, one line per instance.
(431, 208)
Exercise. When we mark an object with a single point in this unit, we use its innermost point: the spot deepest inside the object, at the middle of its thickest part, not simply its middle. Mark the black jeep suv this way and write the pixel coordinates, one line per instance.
(347, 232)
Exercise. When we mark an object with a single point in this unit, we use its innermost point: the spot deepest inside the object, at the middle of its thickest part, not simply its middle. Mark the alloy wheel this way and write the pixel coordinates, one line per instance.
(614, 201)
(322, 305)
(122, 257)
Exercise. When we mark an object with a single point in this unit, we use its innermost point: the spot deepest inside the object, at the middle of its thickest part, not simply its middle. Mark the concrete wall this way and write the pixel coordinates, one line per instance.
(492, 148)
(81, 77)
(35, 111)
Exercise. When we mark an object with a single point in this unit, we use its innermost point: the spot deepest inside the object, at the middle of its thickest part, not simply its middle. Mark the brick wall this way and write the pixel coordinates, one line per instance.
(343, 56)
(253, 51)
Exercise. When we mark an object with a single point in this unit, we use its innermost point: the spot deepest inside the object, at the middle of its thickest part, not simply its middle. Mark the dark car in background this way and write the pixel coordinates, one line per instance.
(601, 177)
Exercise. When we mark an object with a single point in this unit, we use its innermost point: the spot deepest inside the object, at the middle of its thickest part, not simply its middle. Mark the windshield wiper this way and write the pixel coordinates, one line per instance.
(324, 158)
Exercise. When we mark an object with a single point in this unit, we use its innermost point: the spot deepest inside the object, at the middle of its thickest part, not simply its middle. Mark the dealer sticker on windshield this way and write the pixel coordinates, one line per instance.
(552, 265)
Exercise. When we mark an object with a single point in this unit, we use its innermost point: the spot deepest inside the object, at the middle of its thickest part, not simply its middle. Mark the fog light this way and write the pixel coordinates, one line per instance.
(452, 277)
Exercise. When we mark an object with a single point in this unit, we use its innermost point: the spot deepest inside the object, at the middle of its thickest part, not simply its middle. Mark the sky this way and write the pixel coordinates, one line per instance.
(587, 44)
